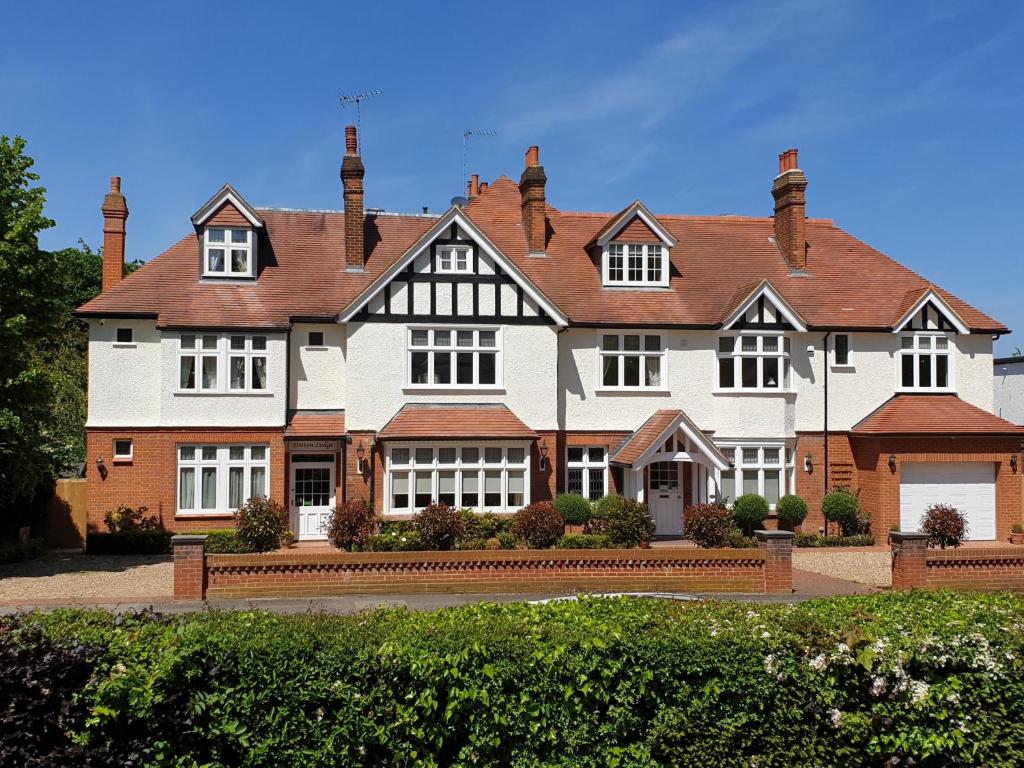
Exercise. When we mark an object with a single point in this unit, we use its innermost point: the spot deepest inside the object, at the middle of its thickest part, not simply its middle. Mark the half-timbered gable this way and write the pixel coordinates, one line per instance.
(763, 309)
(931, 313)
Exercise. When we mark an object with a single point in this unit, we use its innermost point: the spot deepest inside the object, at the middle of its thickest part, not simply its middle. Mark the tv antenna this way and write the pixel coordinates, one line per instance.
(466, 136)
(358, 99)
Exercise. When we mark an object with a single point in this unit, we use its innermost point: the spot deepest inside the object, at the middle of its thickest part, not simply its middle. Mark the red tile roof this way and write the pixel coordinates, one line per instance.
(315, 424)
(440, 422)
(933, 415)
(717, 258)
(652, 431)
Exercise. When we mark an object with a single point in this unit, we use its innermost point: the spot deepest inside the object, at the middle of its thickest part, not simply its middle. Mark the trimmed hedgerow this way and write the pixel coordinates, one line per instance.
(814, 540)
(222, 541)
(892, 679)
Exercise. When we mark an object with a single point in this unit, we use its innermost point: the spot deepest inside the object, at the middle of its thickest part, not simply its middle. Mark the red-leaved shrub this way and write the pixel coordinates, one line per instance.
(945, 525)
(438, 526)
(708, 525)
(539, 525)
(352, 524)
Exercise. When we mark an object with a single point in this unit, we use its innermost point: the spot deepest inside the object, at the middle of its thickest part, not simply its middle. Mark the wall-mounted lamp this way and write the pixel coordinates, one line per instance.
(360, 461)
(101, 468)
(892, 463)
(808, 464)
(1013, 463)
(544, 455)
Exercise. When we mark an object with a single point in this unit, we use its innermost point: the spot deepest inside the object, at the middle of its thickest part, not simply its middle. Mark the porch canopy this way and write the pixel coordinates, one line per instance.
(668, 435)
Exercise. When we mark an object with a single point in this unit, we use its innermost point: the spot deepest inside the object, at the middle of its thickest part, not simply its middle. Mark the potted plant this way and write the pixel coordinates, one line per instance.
(1017, 535)
(287, 539)
(892, 529)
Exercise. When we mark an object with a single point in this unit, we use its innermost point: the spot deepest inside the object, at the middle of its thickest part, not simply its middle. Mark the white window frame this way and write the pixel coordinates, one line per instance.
(849, 351)
(918, 350)
(222, 353)
(785, 465)
(587, 467)
(432, 350)
(228, 245)
(459, 259)
(461, 469)
(643, 353)
(650, 254)
(222, 464)
(738, 354)
(122, 456)
(131, 340)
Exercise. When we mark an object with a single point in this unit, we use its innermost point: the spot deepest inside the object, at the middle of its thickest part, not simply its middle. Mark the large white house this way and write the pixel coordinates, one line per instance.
(505, 351)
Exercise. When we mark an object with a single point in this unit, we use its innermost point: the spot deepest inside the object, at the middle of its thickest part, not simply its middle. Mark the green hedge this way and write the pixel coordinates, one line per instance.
(129, 543)
(222, 541)
(814, 540)
(935, 678)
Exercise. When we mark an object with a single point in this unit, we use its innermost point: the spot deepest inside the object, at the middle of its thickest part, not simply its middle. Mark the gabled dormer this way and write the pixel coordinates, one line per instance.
(227, 227)
(634, 250)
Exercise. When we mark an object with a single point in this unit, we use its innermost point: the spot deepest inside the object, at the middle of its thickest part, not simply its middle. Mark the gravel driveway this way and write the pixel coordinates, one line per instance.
(861, 564)
(76, 577)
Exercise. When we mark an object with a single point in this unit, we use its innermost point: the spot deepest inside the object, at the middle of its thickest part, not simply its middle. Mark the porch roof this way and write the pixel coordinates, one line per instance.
(926, 414)
(637, 449)
(314, 423)
(426, 421)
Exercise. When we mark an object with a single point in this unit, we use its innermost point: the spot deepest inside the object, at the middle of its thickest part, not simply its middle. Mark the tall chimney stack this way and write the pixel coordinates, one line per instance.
(531, 190)
(789, 191)
(352, 172)
(474, 186)
(115, 213)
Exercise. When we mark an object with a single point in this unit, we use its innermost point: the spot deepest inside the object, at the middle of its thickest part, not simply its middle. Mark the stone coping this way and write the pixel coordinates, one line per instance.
(1005, 553)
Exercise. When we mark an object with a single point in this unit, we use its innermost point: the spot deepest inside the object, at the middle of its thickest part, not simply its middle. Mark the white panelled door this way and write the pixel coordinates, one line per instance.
(665, 498)
(968, 486)
(312, 498)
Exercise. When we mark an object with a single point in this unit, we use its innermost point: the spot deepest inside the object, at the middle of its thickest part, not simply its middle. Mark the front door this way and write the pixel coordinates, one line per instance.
(312, 497)
(665, 498)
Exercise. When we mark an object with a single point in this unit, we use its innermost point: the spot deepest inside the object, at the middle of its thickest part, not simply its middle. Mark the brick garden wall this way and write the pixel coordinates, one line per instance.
(916, 566)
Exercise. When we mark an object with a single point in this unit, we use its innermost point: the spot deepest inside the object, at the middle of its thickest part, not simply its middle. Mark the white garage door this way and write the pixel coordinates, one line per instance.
(968, 486)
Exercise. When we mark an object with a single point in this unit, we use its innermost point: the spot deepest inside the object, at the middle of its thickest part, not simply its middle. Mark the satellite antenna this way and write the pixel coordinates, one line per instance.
(466, 136)
(357, 99)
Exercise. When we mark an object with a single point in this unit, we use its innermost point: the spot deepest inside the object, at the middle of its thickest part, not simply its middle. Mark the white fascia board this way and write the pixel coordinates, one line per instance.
(227, 194)
(454, 215)
(930, 294)
(637, 209)
(766, 289)
(698, 438)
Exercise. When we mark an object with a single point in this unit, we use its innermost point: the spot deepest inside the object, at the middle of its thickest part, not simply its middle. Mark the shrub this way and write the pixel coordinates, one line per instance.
(482, 526)
(129, 543)
(15, 552)
(438, 526)
(814, 540)
(127, 519)
(396, 526)
(1017, 528)
(749, 511)
(583, 541)
(395, 541)
(840, 506)
(792, 510)
(223, 542)
(538, 524)
(351, 526)
(945, 525)
(260, 523)
(708, 525)
(507, 540)
(627, 523)
(574, 509)
(738, 540)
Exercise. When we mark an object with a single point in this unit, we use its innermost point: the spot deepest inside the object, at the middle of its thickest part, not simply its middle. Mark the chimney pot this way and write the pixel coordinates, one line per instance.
(115, 214)
(351, 140)
(789, 191)
(474, 185)
(483, 187)
(533, 156)
(115, 183)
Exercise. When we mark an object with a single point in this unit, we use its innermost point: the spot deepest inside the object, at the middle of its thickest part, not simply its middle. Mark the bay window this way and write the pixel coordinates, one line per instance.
(492, 478)
(218, 479)
(453, 357)
(925, 362)
(632, 361)
(213, 362)
(586, 471)
(766, 470)
(758, 362)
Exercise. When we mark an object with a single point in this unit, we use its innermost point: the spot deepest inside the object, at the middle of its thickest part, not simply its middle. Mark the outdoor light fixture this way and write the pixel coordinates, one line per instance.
(808, 464)
(892, 463)
(1013, 463)
(360, 462)
(544, 455)
(102, 468)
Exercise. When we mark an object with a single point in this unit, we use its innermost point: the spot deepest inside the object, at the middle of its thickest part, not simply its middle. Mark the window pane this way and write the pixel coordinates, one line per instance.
(464, 368)
(442, 368)
(258, 452)
(209, 489)
(728, 491)
(122, 448)
(209, 373)
(772, 484)
(492, 489)
(442, 338)
(748, 343)
(464, 339)
(257, 482)
(750, 481)
(631, 371)
(652, 343)
(941, 342)
(187, 452)
(420, 338)
(726, 344)
(188, 341)
(516, 494)
(595, 483)
(418, 364)
(399, 455)
(907, 377)
(941, 370)
(446, 488)
(238, 342)
(610, 377)
(924, 342)
(610, 343)
(770, 374)
(574, 454)
(636, 263)
(237, 368)
(654, 267)
(124, 335)
(771, 455)
(631, 343)
(749, 371)
(259, 342)
(209, 342)
(492, 455)
(770, 343)
(209, 453)
(424, 455)
(187, 488)
(239, 236)
(750, 456)
(842, 349)
(236, 453)
(259, 373)
(574, 481)
(187, 373)
(215, 260)
(470, 455)
(652, 371)
(215, 235)
(488, 339)
(445, 455)
(423, 489)
(907, 342)
(924, 371)
(400, 491)
(516, 455)
(239, 260)
(595, 455)
(488, 364)
(726, 373)
(470, 489)
(236, 486)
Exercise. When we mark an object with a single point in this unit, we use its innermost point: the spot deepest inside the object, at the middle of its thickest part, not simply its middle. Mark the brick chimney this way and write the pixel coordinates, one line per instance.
(789, 190)
(115, 213)
(474, 186)
(531, 189)
(352, 172)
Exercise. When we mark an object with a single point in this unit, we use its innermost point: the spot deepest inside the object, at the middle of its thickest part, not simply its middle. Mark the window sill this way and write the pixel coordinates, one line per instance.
(636, 287)
(452, 390)
(321, 348)
(218, 393)
(843, 367)
(204, 515)
(125, 344)
(608, 391)
(122, 460)
(925, 391)
(761, 392)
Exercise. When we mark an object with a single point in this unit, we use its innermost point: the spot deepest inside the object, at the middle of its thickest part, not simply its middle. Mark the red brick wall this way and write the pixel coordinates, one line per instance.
(915, 566)
(359, 486)
(842, 471)
(150, 478)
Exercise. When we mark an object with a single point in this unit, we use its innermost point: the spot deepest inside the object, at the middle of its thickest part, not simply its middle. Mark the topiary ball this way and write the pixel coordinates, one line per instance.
(574, 509)
(749, 512)
(792, 510)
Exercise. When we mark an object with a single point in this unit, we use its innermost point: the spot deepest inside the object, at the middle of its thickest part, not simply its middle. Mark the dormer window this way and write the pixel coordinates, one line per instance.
(636, 265)
(454, 258)
(228, 252)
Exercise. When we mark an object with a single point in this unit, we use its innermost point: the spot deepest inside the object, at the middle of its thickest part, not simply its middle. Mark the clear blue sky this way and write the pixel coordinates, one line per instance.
(908, 115)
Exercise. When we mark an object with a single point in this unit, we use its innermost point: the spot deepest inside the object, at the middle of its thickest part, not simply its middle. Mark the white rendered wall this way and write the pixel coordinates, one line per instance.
(377, 376)
(1009, 391)
(318, 374)
(124, 380)
(974, 370)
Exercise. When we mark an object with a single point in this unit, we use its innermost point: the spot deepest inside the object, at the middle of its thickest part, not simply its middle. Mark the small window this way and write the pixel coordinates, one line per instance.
(842, 349)
(316, 338)
(124, 336)
(122, 450)
(228, 252)
(454, 258)
(636, 264)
